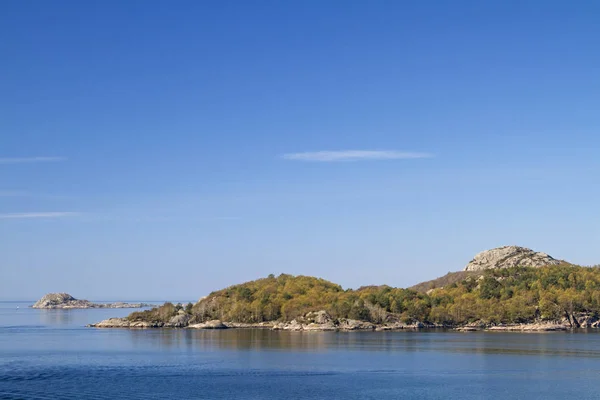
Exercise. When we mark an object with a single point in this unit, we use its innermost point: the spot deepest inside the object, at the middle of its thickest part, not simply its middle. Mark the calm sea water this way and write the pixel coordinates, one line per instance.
(49, 354)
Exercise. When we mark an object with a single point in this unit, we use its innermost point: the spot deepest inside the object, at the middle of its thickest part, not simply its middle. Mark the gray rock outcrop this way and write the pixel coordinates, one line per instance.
(214, 324)
(353, 325)
(52, 300)
(538, 326)
(322, 321)
(65, 300)
(112, 323)
(125, 323)
(180, 320)
(509, 256)
(318, 317)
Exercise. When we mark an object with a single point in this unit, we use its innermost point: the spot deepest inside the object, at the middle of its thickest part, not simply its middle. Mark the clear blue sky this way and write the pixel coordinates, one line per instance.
(157, 150)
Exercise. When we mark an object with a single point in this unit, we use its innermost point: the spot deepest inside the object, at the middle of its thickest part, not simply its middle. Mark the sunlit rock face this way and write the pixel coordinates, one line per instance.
(509, 256)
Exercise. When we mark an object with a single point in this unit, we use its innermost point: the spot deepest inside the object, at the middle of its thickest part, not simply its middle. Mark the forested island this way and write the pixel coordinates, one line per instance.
(509, 288)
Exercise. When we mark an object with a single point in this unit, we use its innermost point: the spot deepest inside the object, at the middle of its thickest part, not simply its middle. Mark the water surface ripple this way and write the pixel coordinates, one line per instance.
(49, 354)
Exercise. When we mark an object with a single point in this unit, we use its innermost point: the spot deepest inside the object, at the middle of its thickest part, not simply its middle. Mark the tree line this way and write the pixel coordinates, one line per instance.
(511, 295)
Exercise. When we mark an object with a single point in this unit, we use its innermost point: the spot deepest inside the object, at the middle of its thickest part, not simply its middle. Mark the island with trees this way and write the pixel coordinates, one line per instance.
(508, 288)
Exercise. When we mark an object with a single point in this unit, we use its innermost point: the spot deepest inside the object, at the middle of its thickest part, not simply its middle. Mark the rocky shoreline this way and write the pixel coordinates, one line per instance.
(313, 321)
(531, 327)
(66, 301)
(346, 325)
(321, 321)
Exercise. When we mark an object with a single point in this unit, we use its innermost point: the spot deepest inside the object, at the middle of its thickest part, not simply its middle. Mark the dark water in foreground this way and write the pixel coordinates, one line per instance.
(48, 354)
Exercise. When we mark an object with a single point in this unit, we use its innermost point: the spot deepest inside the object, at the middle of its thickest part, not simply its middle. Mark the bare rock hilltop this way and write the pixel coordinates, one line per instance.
(509, 256)
(65, 300)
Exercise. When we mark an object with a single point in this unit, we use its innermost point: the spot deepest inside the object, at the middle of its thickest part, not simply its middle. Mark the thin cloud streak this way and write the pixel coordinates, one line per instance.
(29, 160)
(18, 193)
(60, 214)
(354, 155)
(12, 193)
(151, 217)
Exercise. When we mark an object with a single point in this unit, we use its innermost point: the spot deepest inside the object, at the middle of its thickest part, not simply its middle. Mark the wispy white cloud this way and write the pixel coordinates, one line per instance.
(151, 217)
(354, 155)
(59, 214)
(99, 217)
(29, 160)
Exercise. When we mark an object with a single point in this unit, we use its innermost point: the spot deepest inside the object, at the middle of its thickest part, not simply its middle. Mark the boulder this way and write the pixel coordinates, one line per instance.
(293, 325)
(585, 321)
(352, 325)
(328, 326)
(247, 325)
(112, 323)
(509, 256)
(312, 321)
(467, 329)
(278, 326)
(179, 320)
(394, 326)
(214, 324)
(125, 323)
(536, 326)
(318, 317)
(146, 324)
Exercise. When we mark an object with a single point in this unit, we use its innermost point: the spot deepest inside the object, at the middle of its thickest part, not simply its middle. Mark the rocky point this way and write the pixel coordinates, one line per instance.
(65, 300)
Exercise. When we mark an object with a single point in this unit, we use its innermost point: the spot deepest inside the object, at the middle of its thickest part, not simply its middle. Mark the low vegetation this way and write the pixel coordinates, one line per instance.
(446, 280)
(160, 314)
(509, 295)
(286, 297)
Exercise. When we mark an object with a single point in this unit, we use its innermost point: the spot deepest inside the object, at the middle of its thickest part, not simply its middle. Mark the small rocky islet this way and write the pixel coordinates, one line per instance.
(66, 301)
(509, 288)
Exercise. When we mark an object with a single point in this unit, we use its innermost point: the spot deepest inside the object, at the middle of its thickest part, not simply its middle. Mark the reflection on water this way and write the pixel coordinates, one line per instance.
(56, 317)
(579, 344)
(21, 314)
(48, 354)
(231, 339)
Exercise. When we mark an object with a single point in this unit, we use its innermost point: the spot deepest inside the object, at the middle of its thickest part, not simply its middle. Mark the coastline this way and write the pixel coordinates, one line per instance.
(341, 326)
